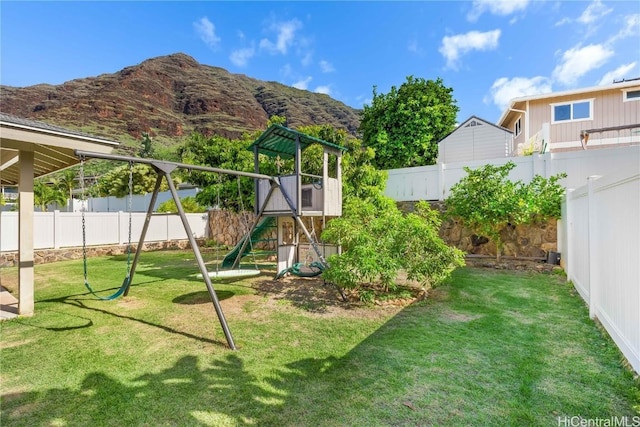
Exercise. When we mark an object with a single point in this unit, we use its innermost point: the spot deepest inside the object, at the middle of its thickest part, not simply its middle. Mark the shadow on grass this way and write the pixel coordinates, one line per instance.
(79, 303)
(473, 355)
(201, 297)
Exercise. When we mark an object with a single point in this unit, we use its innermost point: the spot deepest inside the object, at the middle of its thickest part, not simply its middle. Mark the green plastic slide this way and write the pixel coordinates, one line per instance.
(261, 229)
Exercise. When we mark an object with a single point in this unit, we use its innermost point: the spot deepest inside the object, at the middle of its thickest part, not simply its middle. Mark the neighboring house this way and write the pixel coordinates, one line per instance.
(475, 139)
(595, 117)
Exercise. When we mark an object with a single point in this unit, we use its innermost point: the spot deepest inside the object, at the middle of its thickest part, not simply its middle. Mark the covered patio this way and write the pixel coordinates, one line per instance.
(28, 150)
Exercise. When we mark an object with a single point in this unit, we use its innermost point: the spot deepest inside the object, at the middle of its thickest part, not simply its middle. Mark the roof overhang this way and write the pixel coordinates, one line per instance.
(53, 147)
(516, 105)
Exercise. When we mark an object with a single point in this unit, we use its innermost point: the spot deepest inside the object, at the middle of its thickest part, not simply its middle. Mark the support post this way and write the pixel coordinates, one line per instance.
(25, 232)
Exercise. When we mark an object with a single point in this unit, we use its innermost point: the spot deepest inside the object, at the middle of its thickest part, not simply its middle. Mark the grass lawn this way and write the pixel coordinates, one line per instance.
(487, 348)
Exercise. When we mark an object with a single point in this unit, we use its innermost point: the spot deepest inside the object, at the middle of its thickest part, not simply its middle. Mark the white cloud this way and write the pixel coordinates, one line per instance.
(286, 32)
(455, 46)
(578, 61)
(241, 57)
(593, 12)
(617, 74)
(303, 84)
(207, 32)
(630, 28)
(323, 89)
(326, 66)
(563, 21)
(504, 90)
(495, 7)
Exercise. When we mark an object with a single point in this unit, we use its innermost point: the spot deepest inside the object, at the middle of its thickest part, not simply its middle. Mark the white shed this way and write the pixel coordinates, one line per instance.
(475, 139)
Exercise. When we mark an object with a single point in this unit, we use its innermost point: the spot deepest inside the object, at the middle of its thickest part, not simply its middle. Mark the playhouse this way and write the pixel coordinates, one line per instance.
(300, 199)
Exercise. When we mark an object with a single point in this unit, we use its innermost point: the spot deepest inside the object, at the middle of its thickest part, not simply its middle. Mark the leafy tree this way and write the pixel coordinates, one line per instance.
(66, 182)
(116, 181)
(189, 205)
(360, 178)
(405, 125)
(219, 152)
(44, 195)
(378, 241)
(487, 201)
(543, 198)
(146, 149)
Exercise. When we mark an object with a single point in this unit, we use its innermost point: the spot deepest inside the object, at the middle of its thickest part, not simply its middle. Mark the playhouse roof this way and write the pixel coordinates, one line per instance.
(281, 141)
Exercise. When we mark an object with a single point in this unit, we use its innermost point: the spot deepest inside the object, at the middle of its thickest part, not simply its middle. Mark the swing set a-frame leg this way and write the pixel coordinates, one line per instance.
(166, 169)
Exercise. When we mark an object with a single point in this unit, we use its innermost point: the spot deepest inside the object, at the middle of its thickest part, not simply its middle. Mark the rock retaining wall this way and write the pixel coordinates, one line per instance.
(228, 228)
(11, 259)
(524, 241)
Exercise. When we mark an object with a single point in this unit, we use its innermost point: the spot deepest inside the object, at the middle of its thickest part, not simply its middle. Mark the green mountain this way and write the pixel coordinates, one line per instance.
(170, 97)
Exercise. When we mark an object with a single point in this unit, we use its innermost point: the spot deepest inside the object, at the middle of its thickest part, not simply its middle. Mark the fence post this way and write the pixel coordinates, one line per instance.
(567, 232)
(441, 182)
(592, 223)
(56, 229)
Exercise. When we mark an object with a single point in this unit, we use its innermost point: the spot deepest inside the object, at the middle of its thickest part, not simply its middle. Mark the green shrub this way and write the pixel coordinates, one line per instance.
(487, 201)
(189, 204)
(378, 241)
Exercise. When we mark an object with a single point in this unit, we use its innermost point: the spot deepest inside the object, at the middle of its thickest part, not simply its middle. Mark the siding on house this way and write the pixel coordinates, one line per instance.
(608, 109)
(475, 139)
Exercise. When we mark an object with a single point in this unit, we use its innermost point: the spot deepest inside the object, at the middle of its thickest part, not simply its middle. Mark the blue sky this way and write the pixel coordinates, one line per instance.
(488, 51)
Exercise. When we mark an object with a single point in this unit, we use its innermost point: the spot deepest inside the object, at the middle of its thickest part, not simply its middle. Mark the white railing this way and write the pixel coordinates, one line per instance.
(434, 182)
(601, 247)
(54, 230)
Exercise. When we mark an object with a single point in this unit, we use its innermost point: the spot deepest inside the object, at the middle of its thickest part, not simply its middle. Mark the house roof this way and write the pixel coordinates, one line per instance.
(53, 146)
(281, 141)
(463, 124)
(583, 91)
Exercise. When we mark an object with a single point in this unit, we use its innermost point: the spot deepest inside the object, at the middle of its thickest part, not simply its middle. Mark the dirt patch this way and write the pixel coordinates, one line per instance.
(319, 298)
(131, 302)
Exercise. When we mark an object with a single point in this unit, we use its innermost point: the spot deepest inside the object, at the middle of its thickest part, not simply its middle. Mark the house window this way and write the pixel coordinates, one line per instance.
(517, 127)
(572, 111)
(307, 197)
(631, 95)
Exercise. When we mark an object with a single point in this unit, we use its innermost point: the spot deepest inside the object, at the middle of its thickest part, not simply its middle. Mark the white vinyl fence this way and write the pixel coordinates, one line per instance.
(601, 249)
(434, 182)
(139, 202)
(54, 230)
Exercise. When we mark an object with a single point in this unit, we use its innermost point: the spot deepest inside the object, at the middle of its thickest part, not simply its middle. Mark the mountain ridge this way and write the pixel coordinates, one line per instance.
(170, 97)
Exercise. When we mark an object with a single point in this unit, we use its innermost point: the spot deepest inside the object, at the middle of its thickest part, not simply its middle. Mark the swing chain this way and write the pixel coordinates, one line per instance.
(130, 207)
(84, 227)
